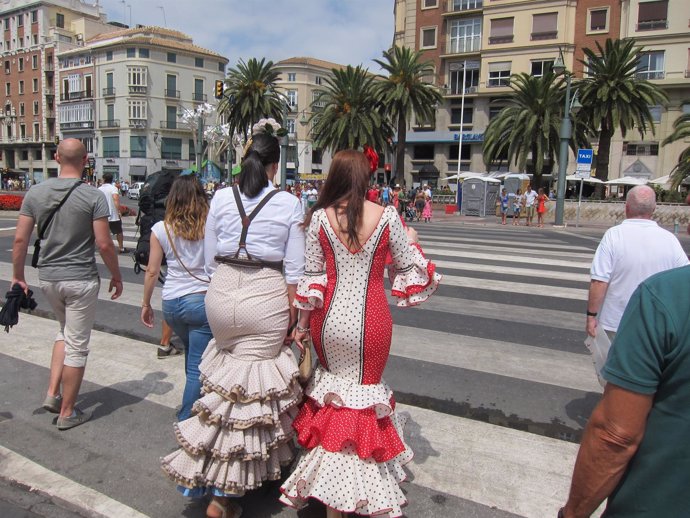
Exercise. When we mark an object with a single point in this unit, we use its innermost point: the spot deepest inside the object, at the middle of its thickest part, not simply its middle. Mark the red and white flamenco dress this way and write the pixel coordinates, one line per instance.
(354, 448)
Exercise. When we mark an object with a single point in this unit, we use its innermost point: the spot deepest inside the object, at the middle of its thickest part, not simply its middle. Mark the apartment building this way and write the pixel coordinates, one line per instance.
(475, 46)
(301, 79)
(33, 34)
(139, 81)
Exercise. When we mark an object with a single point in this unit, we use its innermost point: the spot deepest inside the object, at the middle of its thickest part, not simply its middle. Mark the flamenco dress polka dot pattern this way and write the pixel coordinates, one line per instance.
(354, 448)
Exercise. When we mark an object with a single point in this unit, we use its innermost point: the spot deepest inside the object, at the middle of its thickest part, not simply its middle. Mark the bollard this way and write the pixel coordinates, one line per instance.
(676, 226)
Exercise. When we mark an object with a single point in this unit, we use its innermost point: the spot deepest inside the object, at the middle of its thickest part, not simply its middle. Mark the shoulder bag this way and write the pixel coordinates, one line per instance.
(49, 219)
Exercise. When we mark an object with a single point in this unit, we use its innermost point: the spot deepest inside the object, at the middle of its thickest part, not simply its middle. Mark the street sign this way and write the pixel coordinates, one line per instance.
(584, 160)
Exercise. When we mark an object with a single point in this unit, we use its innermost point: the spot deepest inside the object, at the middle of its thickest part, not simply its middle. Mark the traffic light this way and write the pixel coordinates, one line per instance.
(220, 86)
(57, 140)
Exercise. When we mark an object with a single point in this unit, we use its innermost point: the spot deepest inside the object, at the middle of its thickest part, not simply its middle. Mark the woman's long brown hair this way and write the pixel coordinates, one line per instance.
(344, 190)
(186, 208)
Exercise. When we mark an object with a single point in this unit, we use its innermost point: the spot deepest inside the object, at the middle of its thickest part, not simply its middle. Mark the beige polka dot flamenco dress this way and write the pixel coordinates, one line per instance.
(354, 448)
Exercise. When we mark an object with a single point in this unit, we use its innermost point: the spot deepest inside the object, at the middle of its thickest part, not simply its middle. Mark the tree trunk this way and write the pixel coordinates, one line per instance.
(603, 156)
(400, 150)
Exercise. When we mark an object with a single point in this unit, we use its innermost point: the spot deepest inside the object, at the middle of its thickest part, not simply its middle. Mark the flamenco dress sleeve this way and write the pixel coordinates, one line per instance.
(413, 277)
(312, 285)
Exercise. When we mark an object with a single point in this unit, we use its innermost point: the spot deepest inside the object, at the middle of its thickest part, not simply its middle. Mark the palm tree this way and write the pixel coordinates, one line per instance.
(250, 94)
(404, 93)
(613, 97)
(681, 130)
(351, 116)
(529, 124)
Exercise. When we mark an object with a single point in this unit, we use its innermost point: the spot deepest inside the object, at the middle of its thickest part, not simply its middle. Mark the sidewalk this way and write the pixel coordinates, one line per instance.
(110, 466)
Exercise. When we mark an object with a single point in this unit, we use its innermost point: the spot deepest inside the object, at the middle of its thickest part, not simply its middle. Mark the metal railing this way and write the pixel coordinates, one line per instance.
(109, 123)
(70, 96)
(109, 91)
(138, 123)
(138, 89)
(76, 125)
(652, 25)
(199, 97)
(660, 74)
(464, 45)
(169, 125)
(175, 94)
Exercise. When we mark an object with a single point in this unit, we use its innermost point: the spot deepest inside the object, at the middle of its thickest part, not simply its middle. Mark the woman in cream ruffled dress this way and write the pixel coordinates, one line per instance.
(242, 432)
(348, 425)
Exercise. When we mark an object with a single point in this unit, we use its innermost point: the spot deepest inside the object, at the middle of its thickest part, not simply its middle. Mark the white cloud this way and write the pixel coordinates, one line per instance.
(343, 31)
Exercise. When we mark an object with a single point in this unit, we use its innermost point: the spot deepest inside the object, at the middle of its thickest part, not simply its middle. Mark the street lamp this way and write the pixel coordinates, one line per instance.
(565, 134)
(284, 143)
(462, 121)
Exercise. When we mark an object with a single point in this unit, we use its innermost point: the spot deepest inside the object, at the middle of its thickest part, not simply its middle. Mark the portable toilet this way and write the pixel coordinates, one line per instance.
(479, 195)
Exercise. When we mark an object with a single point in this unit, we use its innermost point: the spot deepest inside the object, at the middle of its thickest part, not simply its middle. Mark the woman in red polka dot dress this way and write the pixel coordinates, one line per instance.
(354, 449)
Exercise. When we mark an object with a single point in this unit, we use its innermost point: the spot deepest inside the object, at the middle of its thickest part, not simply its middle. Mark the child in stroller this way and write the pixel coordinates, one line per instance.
(410, 212)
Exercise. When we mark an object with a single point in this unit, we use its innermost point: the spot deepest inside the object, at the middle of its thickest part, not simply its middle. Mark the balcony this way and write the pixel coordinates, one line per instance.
(109, 91)
(66, 126)
(48, 91)
(494, 40)
(651, 75)
(456, 90)
(49, 67)
(462, 6)
(71, 96)
(498, 82)
(546, 35)
(138, 89)
(138, 123)
(652, 25)
(199, 97)
(49, 114)
(170, 125)
(464, 45)
(173, 94)
(109, 124)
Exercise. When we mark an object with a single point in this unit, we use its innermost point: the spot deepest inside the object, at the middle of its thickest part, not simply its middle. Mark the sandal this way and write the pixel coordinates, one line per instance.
(229, 510)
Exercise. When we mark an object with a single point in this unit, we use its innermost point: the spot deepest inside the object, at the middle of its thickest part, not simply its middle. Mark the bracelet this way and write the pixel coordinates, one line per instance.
(592, 313)
(146, 305)
(302, 329)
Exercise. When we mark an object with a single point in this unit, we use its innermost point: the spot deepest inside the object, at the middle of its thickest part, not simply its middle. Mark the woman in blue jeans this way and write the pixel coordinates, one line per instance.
(180, 239)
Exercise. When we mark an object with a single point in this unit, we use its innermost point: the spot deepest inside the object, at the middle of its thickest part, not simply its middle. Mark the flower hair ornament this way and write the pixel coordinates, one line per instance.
(270, 127)
(372, 157)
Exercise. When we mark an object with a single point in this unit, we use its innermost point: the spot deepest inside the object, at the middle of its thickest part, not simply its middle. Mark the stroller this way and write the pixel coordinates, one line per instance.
(410, 212)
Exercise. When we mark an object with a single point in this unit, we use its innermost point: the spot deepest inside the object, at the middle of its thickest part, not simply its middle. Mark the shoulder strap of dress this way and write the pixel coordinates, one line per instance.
(246, 220)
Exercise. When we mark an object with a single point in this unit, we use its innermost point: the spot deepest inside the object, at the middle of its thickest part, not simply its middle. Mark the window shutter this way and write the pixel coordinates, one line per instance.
(653, 11)
(501, 27)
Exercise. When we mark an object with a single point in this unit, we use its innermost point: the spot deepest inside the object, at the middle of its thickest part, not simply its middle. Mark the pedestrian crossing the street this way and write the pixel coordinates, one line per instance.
(491, 371)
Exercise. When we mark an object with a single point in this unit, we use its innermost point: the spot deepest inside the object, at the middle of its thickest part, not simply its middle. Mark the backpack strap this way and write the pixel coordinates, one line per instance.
(246, 220)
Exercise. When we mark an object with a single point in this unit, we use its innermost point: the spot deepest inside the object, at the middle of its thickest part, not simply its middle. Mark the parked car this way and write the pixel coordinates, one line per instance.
(134, 189)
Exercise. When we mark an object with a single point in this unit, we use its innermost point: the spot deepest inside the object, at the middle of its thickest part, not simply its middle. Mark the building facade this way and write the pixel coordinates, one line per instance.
(34, 33)
(301, 79)
(142, 79)
(476, 45)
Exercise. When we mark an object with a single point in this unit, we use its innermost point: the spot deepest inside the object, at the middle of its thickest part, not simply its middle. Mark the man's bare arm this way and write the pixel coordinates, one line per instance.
(611, 438)
(22, 235)
(105, 246)
(597, 293)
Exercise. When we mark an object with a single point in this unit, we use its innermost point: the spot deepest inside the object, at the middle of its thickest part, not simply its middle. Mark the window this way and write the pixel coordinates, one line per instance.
(21, 87)
(465, 35)
(8, 88)
(35, 112)
(60, 20)
(76, 113)
(143, 53)
(171, 117)
(199, 62)
(137, 110)
(37, 136)
(221, 67)
(109, 55)
(21, 109)
(641, 149)
(541, 67)
(685, 108)
(318, 80)
(499, 74)
(172, 57)
(20, 64)
(290, 126)
(199, 90)
(34, 16)
(7, 24)
(171, 86)
(8, 45)
(111, 147)
(137, 146)
(428, 37)
(110, 113)
(655, 111)
(34, 39)
(471, 77)
(428, 4)
(501, 30)
(598, 20)
(7, 67)
(25, 152)
(136, 79)
(131, 52)
(651, 65)
(171, 149)
(20, 20)
(192, 153)
(652, 15)
(292, 98)
(316, 156)
(467, 114)
(466, 151)
(34, 61)
(544, 26)
(423, 152)
(34, 84)
(292, 77)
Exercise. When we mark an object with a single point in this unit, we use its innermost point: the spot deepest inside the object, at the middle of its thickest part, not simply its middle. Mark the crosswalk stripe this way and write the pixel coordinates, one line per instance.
(585, 265)
(508, 270)
(506, 251)
(512, 244)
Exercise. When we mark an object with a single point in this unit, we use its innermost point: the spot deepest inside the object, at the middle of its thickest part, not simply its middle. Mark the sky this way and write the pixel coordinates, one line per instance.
(341, 31)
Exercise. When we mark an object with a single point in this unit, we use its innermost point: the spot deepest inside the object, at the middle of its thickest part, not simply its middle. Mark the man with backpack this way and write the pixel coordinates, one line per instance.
(72, 219)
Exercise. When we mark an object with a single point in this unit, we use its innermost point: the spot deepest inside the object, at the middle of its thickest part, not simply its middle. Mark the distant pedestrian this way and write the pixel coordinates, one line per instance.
(419, 203)
(428, 210)
(530, 202)
(503, 200)
(385, 195)
(112, 196)
(518, 200)
(67, 270)
(312, 196)
(542, 200)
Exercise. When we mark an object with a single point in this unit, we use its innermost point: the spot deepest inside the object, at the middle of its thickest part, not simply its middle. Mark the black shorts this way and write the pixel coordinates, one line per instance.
(115, 227)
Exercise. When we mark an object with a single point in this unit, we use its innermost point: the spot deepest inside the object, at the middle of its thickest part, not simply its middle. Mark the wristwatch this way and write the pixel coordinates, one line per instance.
(592, 313)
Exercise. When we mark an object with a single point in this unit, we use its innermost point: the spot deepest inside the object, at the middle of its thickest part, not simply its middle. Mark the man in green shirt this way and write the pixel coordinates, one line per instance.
(636, 448)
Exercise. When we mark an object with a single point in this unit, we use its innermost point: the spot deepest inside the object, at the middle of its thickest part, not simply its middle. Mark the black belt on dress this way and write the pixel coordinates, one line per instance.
(249, 263)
